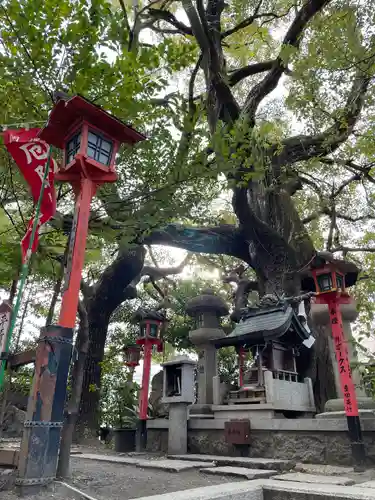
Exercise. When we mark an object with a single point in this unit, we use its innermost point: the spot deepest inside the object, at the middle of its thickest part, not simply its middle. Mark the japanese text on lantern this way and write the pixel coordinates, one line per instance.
(343, 364)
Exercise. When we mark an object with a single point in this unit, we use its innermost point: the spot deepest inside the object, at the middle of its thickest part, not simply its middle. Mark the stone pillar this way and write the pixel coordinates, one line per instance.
(207, 370)
(269, 386)
(320, 316)
(178, 393)
(177, 433)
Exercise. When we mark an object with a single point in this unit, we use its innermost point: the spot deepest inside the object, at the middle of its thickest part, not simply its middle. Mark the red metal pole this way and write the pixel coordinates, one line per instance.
(143, 399)
(347, 384)
(70, 298)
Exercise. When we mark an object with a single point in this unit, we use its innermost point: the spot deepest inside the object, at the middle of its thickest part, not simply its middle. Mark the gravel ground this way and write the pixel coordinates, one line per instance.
(106, 481)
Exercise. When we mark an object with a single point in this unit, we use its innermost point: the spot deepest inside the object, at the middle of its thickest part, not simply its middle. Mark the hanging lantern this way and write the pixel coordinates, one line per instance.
(132, 355)
(328, 279)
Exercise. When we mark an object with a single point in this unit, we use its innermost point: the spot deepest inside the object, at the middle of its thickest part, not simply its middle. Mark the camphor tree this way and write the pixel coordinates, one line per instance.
(226, 131)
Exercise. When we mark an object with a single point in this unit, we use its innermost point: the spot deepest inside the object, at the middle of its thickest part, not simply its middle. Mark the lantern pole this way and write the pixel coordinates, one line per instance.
(143, 395)
(347, 384)
(69, 304)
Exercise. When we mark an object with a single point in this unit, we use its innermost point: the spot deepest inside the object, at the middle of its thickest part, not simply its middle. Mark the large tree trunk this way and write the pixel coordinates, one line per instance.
(111, 290)
(88, 423)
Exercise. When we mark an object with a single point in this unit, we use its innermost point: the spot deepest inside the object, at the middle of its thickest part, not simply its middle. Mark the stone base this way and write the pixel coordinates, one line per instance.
(368, 414)
(318, 441)
(243, 411)
(337, 405)
(199, 409)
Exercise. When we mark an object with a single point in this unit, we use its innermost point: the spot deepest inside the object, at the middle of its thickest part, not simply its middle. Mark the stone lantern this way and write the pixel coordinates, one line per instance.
(206, 310)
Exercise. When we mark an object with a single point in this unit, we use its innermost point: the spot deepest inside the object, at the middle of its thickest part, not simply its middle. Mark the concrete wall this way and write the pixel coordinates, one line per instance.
(303, 440)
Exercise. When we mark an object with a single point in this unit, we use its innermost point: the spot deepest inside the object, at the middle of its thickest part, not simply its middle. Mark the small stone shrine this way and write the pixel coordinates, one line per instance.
(273, 332)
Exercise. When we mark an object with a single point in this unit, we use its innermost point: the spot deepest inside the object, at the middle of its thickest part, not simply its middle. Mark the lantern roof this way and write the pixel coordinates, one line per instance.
(76, 109)
(348, 269)
(205, 302)
(142, 314)
(264, 324)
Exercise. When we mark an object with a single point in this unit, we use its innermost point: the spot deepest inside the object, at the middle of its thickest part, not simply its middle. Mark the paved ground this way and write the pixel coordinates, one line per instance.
(102, 479)
(106, 481)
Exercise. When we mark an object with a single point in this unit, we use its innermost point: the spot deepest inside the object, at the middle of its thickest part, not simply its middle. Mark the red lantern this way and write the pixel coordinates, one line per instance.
(150, 334)
(132, 355)
(328, 279)
(89, 137)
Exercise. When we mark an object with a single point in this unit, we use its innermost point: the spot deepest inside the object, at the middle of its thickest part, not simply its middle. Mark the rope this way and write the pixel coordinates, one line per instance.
(26, 125)
(25, 267)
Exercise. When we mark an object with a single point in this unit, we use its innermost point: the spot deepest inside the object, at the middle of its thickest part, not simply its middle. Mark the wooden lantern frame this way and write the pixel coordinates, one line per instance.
(83, 128)
(132, 355)
(145, 326)
(337, 279)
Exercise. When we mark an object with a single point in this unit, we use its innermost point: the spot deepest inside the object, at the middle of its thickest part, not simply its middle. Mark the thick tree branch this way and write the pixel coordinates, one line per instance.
(196, 25)
(291, 39)
(224, 239)
(247, 22)
(252, 69)
(339, 215)
(302, 147)
(168, 17)
(220, 101)
(345, 249)
(157, 273)
(190, 118)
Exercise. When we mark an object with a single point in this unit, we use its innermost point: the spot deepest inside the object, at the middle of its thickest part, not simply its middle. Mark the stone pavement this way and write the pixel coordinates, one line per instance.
(130, 476)
(299, 477)
(242, 472)
(250, 463)
(367, 484)
(242, 467)
(154, 463)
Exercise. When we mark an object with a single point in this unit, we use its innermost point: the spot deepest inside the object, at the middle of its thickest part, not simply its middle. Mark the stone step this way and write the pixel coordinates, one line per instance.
(324, 470)
(156, 463)
(173, 465)
(7, 478)
(247, 462)
(242, 472)
(367, 484)
(299, 477)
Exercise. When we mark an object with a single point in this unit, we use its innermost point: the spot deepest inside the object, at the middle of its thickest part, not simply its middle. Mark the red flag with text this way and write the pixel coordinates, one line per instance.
(30, 153)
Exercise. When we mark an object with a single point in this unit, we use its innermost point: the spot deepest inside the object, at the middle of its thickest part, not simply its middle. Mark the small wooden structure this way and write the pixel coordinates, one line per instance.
(273, 334)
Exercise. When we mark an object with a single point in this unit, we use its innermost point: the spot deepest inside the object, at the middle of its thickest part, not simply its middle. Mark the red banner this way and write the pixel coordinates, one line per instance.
(30, 153)
(342, 357)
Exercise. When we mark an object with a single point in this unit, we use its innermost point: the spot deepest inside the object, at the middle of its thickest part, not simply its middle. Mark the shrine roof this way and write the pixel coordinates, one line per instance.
(66, 113)
(147, 314)
(263, 325)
